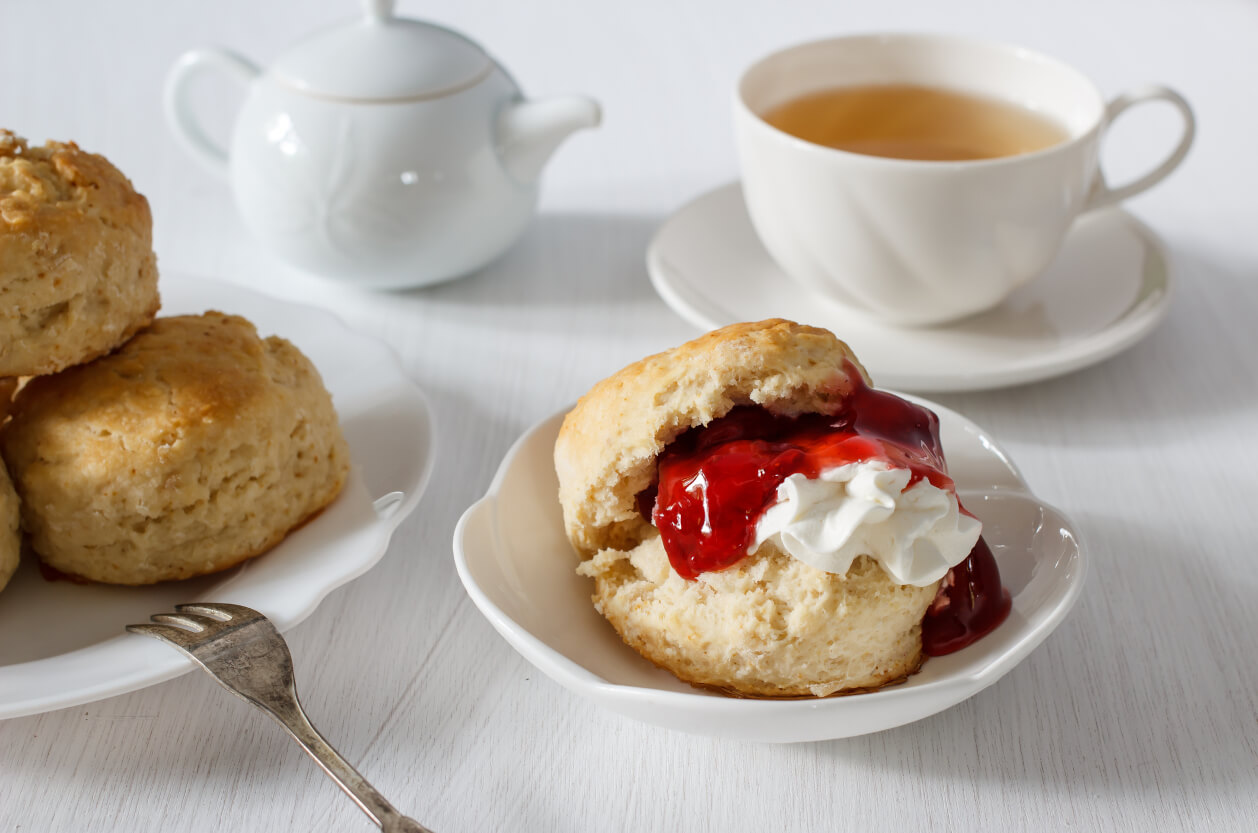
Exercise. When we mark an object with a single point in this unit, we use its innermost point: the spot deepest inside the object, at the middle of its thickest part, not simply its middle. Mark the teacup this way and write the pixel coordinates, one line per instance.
(919, 242)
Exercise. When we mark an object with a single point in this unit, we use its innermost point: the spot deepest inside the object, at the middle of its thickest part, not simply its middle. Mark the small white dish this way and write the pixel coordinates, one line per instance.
(519, 569)
(72, 648)
(1108, 288)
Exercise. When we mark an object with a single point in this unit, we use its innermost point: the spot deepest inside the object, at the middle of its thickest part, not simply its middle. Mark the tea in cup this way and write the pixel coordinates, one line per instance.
(922, 178)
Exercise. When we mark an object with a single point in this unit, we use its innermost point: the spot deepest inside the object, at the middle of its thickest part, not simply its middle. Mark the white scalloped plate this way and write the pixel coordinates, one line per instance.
(63, 644)
(517, 566)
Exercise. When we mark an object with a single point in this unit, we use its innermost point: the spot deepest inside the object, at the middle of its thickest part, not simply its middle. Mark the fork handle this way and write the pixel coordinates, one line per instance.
(291, 716)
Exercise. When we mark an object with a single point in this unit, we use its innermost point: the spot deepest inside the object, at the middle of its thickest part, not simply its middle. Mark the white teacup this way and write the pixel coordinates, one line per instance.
(924, 242)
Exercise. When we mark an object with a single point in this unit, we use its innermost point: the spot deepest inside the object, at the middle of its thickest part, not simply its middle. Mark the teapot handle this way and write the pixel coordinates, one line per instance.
(179, 114)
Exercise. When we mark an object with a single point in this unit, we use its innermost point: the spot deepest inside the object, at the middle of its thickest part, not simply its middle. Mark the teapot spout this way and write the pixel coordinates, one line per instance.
(529, 131)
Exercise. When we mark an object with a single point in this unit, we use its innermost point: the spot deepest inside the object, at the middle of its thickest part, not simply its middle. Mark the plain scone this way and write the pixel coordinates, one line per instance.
(770, 626)
(195, 446)
(76, 254)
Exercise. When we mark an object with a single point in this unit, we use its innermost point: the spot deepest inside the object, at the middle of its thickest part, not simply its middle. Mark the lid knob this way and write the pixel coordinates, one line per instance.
(378, 57)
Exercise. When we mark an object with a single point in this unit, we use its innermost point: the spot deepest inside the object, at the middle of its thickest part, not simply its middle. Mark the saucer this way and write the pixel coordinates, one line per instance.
(1108, 288)
(517, 566)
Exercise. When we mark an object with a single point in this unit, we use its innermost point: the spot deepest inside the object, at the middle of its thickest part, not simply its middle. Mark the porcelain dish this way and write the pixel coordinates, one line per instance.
(1110, 286)
(73, 649)
(517, 566)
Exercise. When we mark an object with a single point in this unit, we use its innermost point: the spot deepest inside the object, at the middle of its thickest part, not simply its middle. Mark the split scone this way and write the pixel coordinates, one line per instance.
(76, 253)
(195, 446)
(757, 519)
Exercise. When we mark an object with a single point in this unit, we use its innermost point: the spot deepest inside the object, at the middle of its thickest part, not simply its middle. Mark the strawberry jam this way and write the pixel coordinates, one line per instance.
(714, 482)
(970, 604)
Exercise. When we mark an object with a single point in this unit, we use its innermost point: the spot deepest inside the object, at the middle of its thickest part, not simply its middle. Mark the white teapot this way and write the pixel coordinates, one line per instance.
(386, 152)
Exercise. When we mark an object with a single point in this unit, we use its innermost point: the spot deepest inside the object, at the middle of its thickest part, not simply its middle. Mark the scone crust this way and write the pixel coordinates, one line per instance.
(76, 253)
(10, 534)
(770, 626)
(195, 446)
(606, 450)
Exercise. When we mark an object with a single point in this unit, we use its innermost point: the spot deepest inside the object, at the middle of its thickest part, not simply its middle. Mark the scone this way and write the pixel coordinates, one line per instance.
(759, 520)
(8, 387)
(10, 534)
(195, 446)
(76, 256)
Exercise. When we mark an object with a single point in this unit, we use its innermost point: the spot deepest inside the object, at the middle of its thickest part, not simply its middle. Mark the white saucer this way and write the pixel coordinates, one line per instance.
(1108, 288)
(518, 567)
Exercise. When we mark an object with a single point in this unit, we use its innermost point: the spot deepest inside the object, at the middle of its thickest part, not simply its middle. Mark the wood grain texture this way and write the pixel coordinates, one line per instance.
(1139, 714)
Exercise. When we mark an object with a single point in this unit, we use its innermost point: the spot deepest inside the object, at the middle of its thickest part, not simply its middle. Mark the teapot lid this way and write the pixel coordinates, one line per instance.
(379, 57)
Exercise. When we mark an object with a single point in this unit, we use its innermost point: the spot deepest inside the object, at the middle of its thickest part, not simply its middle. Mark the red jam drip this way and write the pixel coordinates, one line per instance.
(969, 605)
(714, 482)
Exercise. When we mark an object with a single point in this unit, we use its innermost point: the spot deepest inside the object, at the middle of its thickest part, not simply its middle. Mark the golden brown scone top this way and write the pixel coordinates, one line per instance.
(606, 451)
(76, 257)
(179, 372)
(39, 183)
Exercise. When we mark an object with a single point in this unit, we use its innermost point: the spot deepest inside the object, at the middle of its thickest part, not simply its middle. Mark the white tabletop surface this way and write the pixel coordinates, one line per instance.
(1140, 713)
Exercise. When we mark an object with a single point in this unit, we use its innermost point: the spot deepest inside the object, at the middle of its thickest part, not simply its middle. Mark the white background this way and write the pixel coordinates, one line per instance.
(1140, 713)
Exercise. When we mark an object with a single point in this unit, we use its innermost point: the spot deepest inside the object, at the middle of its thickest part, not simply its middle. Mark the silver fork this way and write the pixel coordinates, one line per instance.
(241, 649)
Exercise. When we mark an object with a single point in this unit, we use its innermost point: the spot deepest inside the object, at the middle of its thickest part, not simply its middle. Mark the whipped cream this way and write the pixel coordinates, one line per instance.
(915, 534)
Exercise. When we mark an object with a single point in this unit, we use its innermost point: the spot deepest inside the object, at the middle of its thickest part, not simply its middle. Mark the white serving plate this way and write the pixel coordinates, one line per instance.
(519, 569)
(63, 644)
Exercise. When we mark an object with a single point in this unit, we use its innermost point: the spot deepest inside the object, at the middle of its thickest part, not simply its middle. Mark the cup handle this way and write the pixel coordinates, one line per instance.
(179, 112)
(1102, 194)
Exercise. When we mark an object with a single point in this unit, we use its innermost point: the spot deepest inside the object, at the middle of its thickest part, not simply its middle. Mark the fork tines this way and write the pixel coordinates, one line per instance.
(190, 622)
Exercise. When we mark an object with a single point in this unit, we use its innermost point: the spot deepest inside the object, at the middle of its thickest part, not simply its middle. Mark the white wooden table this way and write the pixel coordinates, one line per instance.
(1140, 713)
